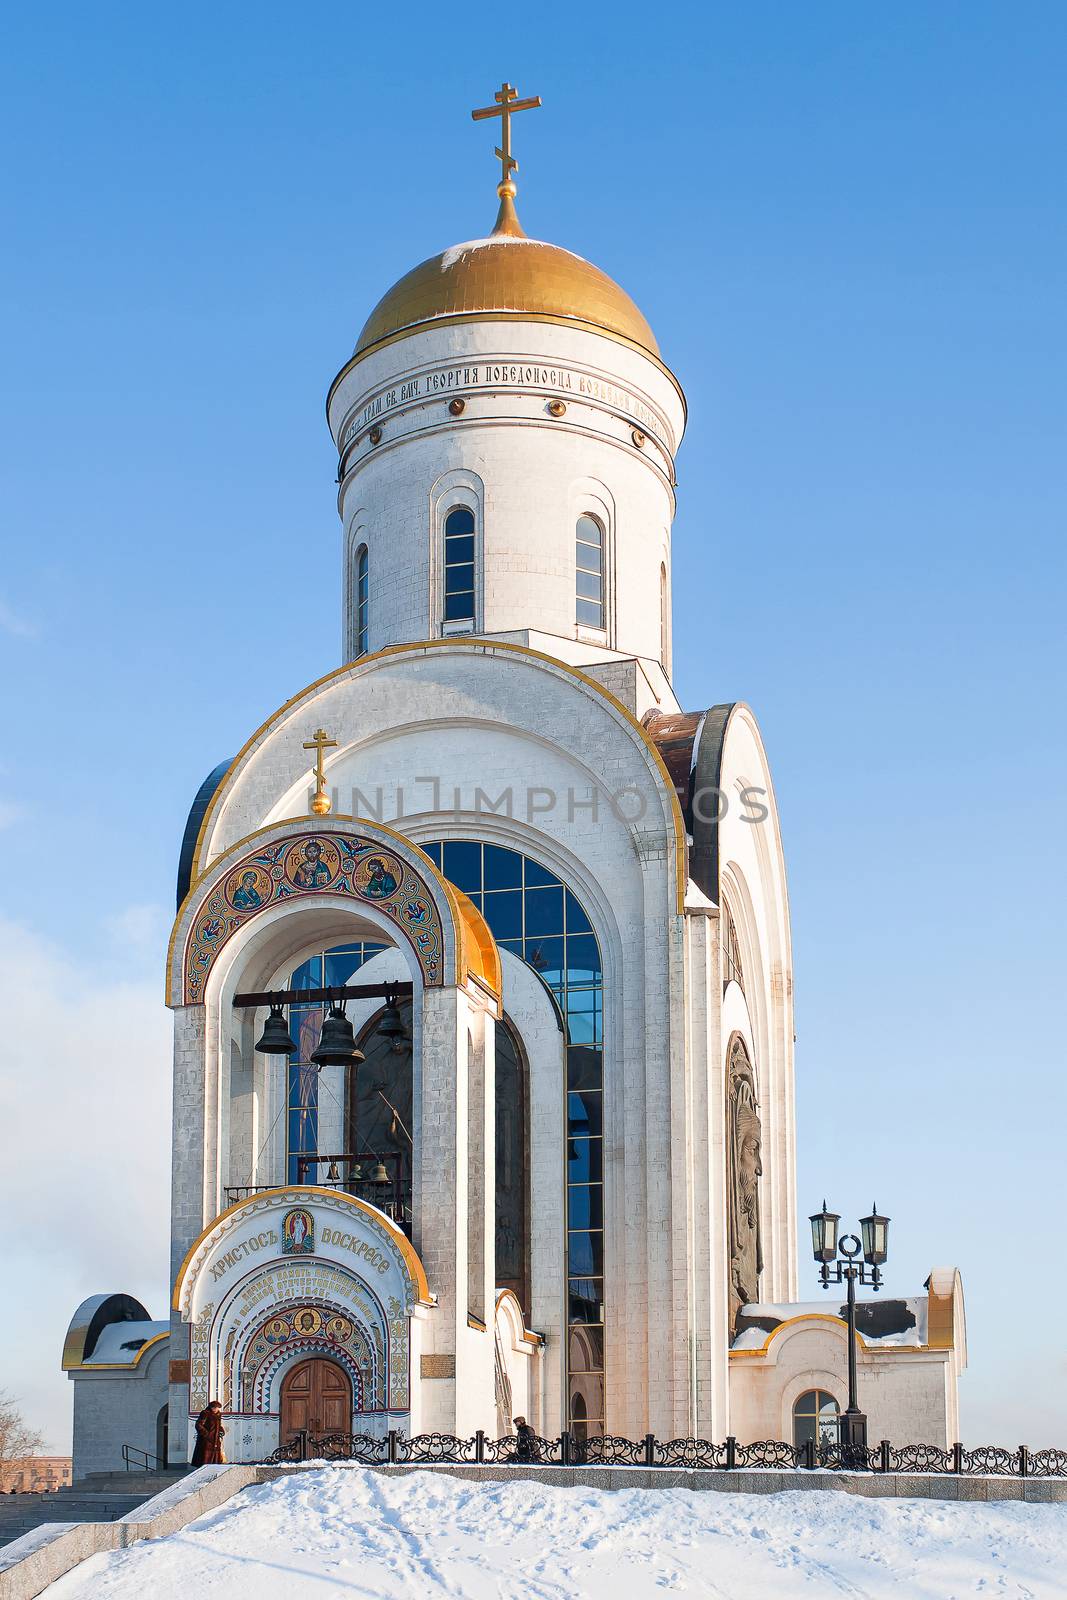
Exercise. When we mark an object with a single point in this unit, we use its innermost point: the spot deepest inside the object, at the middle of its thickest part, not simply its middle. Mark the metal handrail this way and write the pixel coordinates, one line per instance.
(147, 1463)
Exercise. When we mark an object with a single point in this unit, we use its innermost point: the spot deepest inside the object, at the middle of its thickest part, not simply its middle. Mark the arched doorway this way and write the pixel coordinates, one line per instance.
(316, 1395)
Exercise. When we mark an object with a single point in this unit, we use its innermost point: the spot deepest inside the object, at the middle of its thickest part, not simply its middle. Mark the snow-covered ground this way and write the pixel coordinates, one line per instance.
(355, 1535)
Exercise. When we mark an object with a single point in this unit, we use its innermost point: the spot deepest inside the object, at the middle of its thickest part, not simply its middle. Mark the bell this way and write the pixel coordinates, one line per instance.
(333, 1176)
(379, 1175)
(391, 1026)
(337, 1043)
(355, 1174)
(276, 1040)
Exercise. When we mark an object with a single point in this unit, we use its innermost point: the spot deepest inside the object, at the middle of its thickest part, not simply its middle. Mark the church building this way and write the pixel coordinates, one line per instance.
(481, 971)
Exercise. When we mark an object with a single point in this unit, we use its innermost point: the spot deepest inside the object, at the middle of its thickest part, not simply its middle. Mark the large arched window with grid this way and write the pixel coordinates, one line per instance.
(532, 913)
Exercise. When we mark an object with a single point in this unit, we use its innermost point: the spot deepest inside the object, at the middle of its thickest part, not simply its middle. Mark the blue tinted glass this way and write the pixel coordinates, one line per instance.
(581, 1026)
(585, 1205)
(459, 579)
(545, 955)
(585, 1161)
(584, 1067)
(308, 975)
(503, 912)
(305, 1026)
(463, 865)
(589, 613)
(585, 1300)
(461, 549)
(434, 853)
(585, 1254)
(503, 868)
(461, 520)
(583, 958)
(514, 945)
(544, 911)
(341, 965)
(585, 1113)
(303, 1117)
(459, 607)
(536, 874)
(577, 921)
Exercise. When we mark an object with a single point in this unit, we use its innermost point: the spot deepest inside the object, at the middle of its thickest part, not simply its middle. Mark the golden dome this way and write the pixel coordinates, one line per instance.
(507, 275)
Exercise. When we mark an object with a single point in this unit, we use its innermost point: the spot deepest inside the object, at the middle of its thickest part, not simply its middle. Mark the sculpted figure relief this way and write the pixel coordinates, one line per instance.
(744, 1170)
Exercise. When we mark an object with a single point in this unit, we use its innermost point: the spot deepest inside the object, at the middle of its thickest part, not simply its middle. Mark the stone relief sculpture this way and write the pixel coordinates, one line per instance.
(744, 1170)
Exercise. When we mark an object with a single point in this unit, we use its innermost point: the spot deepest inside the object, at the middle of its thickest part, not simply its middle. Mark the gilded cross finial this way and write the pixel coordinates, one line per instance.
(320, 742)
(507, 103)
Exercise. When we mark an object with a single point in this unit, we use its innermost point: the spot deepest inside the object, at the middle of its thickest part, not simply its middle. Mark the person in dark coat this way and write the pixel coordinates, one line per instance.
(525, 1441)
(209, 1434)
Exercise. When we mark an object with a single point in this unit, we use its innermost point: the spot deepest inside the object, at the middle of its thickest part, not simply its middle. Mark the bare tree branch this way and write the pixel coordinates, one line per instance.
(17, 1439)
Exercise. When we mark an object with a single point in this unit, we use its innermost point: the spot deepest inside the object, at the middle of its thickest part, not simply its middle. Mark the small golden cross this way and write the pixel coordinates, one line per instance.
(320, 803)
(507, 103)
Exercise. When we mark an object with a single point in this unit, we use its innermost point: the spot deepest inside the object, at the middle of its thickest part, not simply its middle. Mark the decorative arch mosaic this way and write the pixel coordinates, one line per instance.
(305, 865)
(311, 1329)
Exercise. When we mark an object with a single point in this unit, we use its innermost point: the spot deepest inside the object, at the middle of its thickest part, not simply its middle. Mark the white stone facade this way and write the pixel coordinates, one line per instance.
(525, 731)
(527, 476)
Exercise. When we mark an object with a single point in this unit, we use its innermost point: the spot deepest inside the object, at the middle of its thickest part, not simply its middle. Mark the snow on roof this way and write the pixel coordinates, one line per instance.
(457, 251)
(120, 1343)
(882, 1324)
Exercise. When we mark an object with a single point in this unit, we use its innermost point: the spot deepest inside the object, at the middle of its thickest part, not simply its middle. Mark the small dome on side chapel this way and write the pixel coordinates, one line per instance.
(507, 275)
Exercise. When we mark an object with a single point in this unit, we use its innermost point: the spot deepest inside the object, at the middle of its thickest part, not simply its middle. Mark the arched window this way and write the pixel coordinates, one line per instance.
(589, 573)
(362, 601)
(731, 955)
(815, 1417)
(459, 565)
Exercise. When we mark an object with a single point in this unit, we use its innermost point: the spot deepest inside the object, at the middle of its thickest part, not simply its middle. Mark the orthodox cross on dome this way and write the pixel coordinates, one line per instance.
(320, 742)
(507, 103)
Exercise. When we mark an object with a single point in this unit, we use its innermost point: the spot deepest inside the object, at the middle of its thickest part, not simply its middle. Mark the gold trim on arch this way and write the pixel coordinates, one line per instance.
(115, 1366)
(451, 642)
(875, 1349)
(306, 1191)
(528, 1335)
(471, 930)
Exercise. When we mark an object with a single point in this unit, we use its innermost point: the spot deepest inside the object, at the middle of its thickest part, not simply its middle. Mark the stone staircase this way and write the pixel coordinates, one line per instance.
(101, 1497)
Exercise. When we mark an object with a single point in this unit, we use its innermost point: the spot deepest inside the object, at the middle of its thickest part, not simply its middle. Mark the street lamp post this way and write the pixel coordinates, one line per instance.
(838, 1264)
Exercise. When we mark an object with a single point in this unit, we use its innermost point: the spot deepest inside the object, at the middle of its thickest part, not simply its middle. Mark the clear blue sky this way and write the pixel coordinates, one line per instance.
(846, 225)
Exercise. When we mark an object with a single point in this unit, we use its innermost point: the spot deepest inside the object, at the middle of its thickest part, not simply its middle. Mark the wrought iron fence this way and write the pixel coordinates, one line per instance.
(432, 1449)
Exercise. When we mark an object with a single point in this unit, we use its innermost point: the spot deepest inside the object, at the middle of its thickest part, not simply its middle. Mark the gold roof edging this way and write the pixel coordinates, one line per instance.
(298, 1193)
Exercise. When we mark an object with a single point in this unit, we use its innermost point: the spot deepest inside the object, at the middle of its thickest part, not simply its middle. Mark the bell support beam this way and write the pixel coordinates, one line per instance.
(347, 991)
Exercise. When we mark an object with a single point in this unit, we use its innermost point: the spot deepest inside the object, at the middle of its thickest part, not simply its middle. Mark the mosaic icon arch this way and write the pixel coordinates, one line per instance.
(292, 1333)
(302, 867)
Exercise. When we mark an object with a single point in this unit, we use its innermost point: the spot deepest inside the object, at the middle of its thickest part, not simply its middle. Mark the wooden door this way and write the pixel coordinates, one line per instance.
(316, 1395)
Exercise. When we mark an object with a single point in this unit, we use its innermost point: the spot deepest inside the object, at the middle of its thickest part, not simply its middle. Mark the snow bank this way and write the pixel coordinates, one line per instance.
(351, 1534)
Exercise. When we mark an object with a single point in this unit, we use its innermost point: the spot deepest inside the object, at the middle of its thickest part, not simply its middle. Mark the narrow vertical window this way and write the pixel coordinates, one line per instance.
(589, 573)
(362, 601)
(459, 565)
(663, 641)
